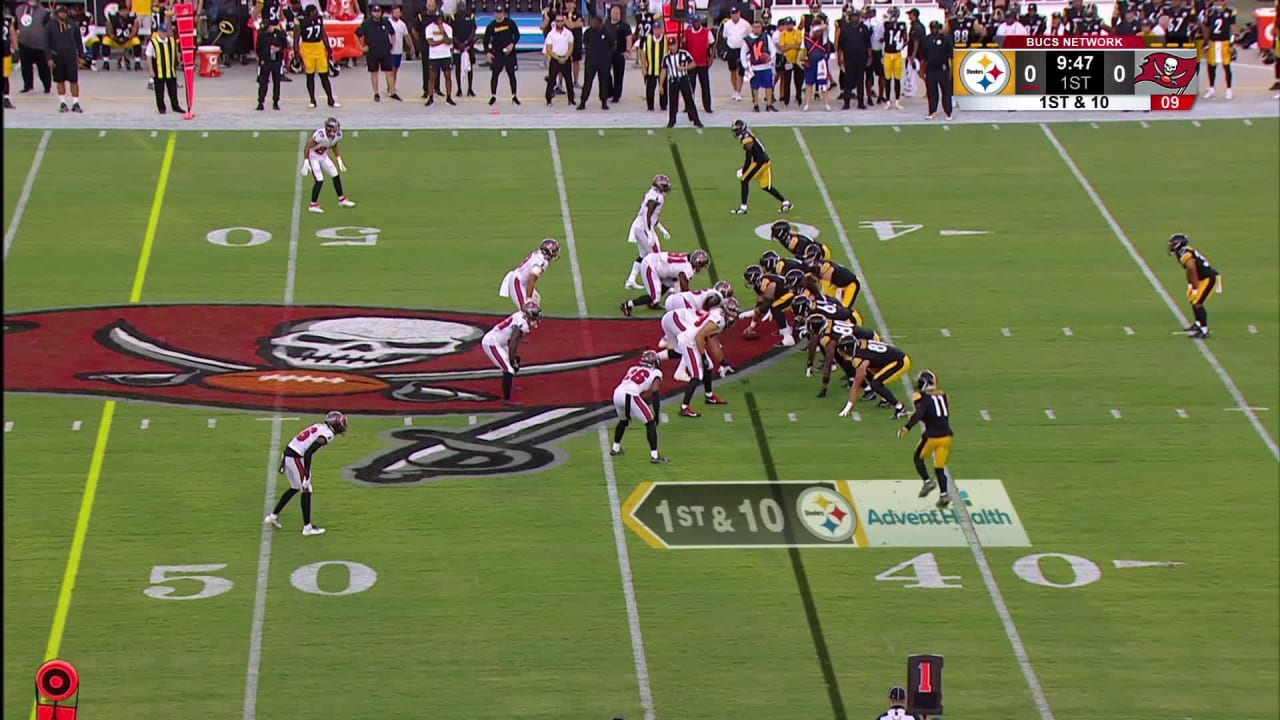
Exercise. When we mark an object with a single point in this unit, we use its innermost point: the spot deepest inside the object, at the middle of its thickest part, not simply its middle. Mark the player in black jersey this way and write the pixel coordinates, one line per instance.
(895, 48)
(756, 166)
(878, 364)
(1179, 18)
(794, 242)
(1219, 25)
(772, 300)
(961, 26)
(933, 410)
(7, 39)
(1036, 23)
(1202, 280)
(312, 45)
(834, 279)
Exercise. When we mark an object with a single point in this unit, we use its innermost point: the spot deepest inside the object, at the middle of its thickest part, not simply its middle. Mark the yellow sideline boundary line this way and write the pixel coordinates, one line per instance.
(104, 428)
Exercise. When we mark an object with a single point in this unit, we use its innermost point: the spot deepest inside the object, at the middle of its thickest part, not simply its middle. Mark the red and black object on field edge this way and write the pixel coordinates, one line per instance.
(57, 691)
(924, 685)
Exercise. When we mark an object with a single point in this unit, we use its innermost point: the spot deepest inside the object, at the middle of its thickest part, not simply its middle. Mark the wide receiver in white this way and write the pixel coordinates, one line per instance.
(502, 341)
(664, 271)
(521, 282)
(296, 466)
(642, 228)
(316, 162)
(629, 402)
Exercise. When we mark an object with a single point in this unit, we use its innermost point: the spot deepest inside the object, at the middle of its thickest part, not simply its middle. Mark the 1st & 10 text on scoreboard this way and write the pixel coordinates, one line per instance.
(1076, 73)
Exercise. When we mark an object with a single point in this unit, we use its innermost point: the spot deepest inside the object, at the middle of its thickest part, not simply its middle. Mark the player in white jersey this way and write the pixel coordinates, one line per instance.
(647, 220)
(698, 299)
(629, 402)
(521, 282)
(502, 341)
(698, 349)
(664, 271)
(296, 466)
(320, 157)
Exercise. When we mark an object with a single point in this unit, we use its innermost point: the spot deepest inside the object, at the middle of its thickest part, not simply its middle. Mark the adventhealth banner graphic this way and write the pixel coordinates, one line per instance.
(893, 516)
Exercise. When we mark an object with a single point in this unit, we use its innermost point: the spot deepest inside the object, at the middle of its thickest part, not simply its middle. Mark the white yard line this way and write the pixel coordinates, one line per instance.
(273, 462)
(21, 208)
(971, 535)
(610, 478)
(1202, 346)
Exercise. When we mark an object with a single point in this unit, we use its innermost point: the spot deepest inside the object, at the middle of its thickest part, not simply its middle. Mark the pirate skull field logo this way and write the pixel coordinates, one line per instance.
(363, 361)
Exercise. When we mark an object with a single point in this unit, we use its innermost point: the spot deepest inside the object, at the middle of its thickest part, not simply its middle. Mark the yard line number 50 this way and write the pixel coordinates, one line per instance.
(360, 577)
(344, 235)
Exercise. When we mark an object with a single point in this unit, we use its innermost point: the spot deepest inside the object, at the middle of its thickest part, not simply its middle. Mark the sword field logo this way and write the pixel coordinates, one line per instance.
(360, 360)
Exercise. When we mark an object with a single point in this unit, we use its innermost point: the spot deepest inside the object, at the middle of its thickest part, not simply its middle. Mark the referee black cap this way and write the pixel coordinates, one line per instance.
(897, 693)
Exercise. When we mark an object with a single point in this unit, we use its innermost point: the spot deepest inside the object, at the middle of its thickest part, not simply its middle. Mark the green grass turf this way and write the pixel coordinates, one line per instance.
(501, 598)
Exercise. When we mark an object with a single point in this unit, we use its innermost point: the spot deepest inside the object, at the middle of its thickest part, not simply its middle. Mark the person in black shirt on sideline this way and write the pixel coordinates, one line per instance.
(598, 54)
(937, 69)
(376, 33)
(500, 38)
(675, 74)
(620, 32)
(464, 46)
(271, 48)
(853, 48)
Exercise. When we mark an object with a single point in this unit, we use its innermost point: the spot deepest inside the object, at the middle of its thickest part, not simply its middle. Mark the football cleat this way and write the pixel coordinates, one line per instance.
(787, 206)
(714, 399)
(740, 210)
(533, 312)
(649, 358)
(550, 249)
(625, 307)
(769, 259)
(660, 460)
(1178, 243)
(332, 127)
(345, 202)
(336, 421)
(662, 183)
(781, 231)
(312, 530)
(753, 275)
(801, 306)
(900, 411)
(699, 259)
(944, 500)
(620, 451)
(926, 381)
(929, 486)
(273, 520)
(315, 208)
(686, 411)
(724, 288)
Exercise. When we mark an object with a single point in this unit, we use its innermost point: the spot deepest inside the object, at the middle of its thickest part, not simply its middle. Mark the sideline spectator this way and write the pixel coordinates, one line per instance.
(620, 34)
(162, 52)
(122, 34)
(732, 33)
(791, 45)
(758, 57)
(272, 44)
(853, 48)
(937, 62)
(698, 41)
(62, 37)
(33, 47)
(559, 51)
(817, 71)
(599, 56)
(375, 34)
(8, 38)
(500, 38)
(401, 42)
(652, 50)
(439, 38)
(464, 47)
(573, 21)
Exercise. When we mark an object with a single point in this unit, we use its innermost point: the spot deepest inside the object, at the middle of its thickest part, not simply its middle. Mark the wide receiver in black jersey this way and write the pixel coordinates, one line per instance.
(933, 410)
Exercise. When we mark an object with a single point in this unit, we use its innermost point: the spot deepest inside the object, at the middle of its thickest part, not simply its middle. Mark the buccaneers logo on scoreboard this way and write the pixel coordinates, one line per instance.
(1170, 72)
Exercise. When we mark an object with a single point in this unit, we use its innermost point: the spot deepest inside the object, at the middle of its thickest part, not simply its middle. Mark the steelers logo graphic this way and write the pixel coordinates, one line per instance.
(984, 73)
(826, 514)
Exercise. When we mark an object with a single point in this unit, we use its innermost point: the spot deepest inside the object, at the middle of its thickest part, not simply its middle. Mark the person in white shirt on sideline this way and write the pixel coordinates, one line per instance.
(401, 41)
(1011, 27)
(734, 31)
(559, 51)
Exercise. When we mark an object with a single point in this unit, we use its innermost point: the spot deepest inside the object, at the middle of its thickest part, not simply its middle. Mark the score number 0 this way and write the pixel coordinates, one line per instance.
(1029, 71)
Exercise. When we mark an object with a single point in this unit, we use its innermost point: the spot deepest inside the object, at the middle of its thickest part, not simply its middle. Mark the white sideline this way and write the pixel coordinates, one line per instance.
(1203, 347)
(611, 480)
(971, 536)
(21, 208)
(273, 462)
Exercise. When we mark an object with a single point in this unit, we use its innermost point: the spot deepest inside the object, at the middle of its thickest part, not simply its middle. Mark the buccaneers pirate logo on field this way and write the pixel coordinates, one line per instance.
(370, 361)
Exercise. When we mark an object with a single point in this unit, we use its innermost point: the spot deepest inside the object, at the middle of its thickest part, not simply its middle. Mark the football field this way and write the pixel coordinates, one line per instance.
(174, 315)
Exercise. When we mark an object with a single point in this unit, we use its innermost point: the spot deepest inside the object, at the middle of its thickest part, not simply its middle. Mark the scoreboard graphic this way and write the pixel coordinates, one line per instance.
(1075, 73)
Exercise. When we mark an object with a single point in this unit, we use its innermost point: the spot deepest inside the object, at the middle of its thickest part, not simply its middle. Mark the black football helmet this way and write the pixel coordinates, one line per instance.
(1178, 243)
(816, 325)
(753, 275)
(926, 381)
(781, 231)
(769, 259)
(802, 305)
(794, 279)
(813, 254)
(740, 129)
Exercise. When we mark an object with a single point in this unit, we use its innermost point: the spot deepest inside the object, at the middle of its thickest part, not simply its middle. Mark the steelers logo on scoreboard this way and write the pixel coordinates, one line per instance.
(985, 73)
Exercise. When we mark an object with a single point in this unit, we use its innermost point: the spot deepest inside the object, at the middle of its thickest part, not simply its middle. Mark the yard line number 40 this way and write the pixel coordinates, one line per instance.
(344, 235)
(922, 571)
(360, 577)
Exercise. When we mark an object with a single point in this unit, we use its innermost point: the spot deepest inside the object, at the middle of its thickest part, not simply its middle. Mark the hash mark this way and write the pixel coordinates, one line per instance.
(1115, 413)
(985, 415)
(408, 421)
(846, 129)
(897, 129)
(355, 133)
(405, 134)
(204, 134)
(1067, 331)
(1196, 123)
(699, 131)
(455, 133)
(504, 133)
(946, 127)
(1094, 125)
(857, 416)
(792, 417)
(665, 418)
(1049, 414)
(600, 132)
(1145, 124)
(103, 133)
(1248, 122)
(1128, 330)
(75, 426)
(1181, 413)
(213, 423)
(155, 133)
(1253, 329)
(146, 423)
(995, 127)
(946, 332)
(1006, 332)
(8, 426)
(650, 132)
(255, 133)
(728, 417)
(471, 420)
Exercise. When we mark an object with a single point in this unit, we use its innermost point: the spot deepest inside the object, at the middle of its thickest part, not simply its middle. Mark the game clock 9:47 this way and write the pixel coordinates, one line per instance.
(1075, 73)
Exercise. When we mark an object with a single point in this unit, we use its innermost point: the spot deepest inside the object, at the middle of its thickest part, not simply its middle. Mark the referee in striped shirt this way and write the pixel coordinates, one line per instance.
(675, 76)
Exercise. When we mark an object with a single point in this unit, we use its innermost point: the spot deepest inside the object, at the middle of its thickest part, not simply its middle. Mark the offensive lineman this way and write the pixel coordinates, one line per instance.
(934, 410)
(628, 401)
(663, 271)
(295, 463)
(521, 282)
(316, 162)
(502, 341)
(642, 228)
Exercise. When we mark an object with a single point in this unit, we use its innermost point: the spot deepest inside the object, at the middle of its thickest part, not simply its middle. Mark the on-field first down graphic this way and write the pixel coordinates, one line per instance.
(371, 361)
